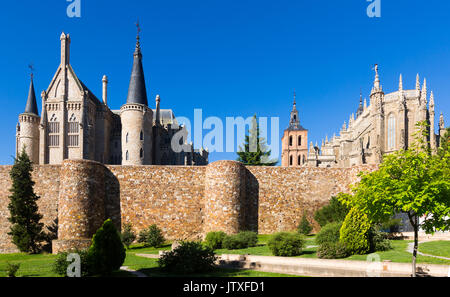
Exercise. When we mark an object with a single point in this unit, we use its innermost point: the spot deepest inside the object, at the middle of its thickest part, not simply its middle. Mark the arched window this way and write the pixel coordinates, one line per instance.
(127, 157)
(126, 140)
(73, 131)
(53, 131)
(142, 136)
(141, 153)
(290, 160)
(300, 140)
(299, 160)
(304, 159)
(290, 140)
(391, 132)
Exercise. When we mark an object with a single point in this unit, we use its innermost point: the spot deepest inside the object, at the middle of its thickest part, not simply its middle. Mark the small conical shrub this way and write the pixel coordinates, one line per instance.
(107, 252)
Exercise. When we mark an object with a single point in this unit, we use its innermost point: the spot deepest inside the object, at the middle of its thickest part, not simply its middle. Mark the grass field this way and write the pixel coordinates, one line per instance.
(436, 248)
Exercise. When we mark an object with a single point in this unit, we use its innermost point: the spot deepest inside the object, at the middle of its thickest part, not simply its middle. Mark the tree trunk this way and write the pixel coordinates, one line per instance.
(415, 224)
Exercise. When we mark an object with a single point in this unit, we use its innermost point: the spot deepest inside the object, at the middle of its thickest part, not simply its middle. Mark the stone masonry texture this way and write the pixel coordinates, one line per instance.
(186, 202)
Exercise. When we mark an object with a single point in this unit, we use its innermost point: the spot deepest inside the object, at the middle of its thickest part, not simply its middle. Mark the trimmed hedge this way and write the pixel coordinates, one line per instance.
(241, 240)
(215, 240)
(188, 258)
(332, 250)
(330, 233)
(286, 244)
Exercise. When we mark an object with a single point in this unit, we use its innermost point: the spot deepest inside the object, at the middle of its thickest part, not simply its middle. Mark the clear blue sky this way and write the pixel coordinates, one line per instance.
(230, 58)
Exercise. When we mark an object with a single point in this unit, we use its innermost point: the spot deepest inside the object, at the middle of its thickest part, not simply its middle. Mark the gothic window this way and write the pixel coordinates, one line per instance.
(127, 157)
(300, 140)
(53, 131)
(73, 131)
(142, 136)
(299, 160)
(291, 161)
(391, 132)
(141, 154)
(127, 139)
(290, 140)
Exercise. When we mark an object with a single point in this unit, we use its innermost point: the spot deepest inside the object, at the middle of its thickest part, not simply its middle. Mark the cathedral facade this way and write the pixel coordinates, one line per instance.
(386, 125)
(75, 124)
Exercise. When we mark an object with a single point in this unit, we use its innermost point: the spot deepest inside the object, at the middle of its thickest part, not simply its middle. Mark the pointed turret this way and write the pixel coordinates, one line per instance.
(418, 82)
(294, 123)
(376, 84)
(31, 106)
(400, 84)
(137, 92)
(360, 109)
(424, 93)
(432, 100)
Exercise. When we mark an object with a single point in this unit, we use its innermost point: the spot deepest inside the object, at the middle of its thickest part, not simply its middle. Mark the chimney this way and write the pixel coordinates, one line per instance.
(105, 89)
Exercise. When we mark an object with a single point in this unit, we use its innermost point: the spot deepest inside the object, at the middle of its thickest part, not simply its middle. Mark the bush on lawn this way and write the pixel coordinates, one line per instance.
(107, 252)
(242, 240)
(304, 227)
(151, 237)
(128, 236)
(11, 269)
(188, 258)
(329, 233)
(332, 250)
(61, 264)
(354, 232)
(379, 241)
(214, 240)
(286, 244)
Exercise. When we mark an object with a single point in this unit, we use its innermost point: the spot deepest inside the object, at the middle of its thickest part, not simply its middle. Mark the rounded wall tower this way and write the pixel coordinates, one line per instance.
(28, 128)
(224, 197)
(81, 204)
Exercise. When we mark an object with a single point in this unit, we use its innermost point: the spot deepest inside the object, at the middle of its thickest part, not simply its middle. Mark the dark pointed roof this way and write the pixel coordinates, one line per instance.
(31, 102)
(137, 92)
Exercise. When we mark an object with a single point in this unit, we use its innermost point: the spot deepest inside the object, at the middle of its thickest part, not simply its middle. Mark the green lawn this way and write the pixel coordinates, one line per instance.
(436, 248)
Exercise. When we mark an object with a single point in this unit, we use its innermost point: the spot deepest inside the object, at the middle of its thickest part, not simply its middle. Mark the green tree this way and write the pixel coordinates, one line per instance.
(255, 151)
(444, 144)
(128, 236)
(333, 212)
(412, 181)
(304, 227)
(26, 228)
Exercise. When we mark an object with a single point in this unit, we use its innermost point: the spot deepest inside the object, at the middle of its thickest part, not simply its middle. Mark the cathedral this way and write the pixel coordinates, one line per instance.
(75, 124)
(384, 126)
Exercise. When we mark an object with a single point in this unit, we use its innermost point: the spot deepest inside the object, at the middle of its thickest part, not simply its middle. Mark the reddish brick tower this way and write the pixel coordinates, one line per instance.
(294, 142)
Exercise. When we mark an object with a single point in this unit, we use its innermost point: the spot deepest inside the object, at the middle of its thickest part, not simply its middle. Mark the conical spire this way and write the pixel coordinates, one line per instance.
(137, 92)
(400, 84)
(431, 100)
(424, 92)
(31, 106)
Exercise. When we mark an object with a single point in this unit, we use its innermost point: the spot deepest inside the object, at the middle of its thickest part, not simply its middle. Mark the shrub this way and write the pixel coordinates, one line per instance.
(151, 237)
(234, 242)
(379, 241)
(128, 236)
(329, 233)
(286, 244)
(11, 269)
(332, 250)
(354, 232)
(107, 252)
(249, 238)
(188, 258)
(215, 239)
(304, 227)
(61, 264)
(334, 212)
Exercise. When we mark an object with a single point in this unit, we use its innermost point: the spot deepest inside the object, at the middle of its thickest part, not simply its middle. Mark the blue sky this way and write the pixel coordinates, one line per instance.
(229, 58)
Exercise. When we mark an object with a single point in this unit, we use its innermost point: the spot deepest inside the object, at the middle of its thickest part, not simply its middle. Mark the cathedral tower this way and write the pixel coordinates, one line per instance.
(137, 117)
(294, 142)
(28, 128)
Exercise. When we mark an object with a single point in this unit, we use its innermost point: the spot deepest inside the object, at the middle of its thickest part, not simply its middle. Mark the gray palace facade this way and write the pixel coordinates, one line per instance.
(75, 124)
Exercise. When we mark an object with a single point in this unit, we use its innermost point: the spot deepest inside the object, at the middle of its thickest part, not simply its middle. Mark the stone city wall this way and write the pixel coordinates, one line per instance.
(186, 202)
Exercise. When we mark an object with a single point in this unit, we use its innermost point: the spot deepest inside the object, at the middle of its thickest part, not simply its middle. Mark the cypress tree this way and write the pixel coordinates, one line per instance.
(26, 228)
(255, 151)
